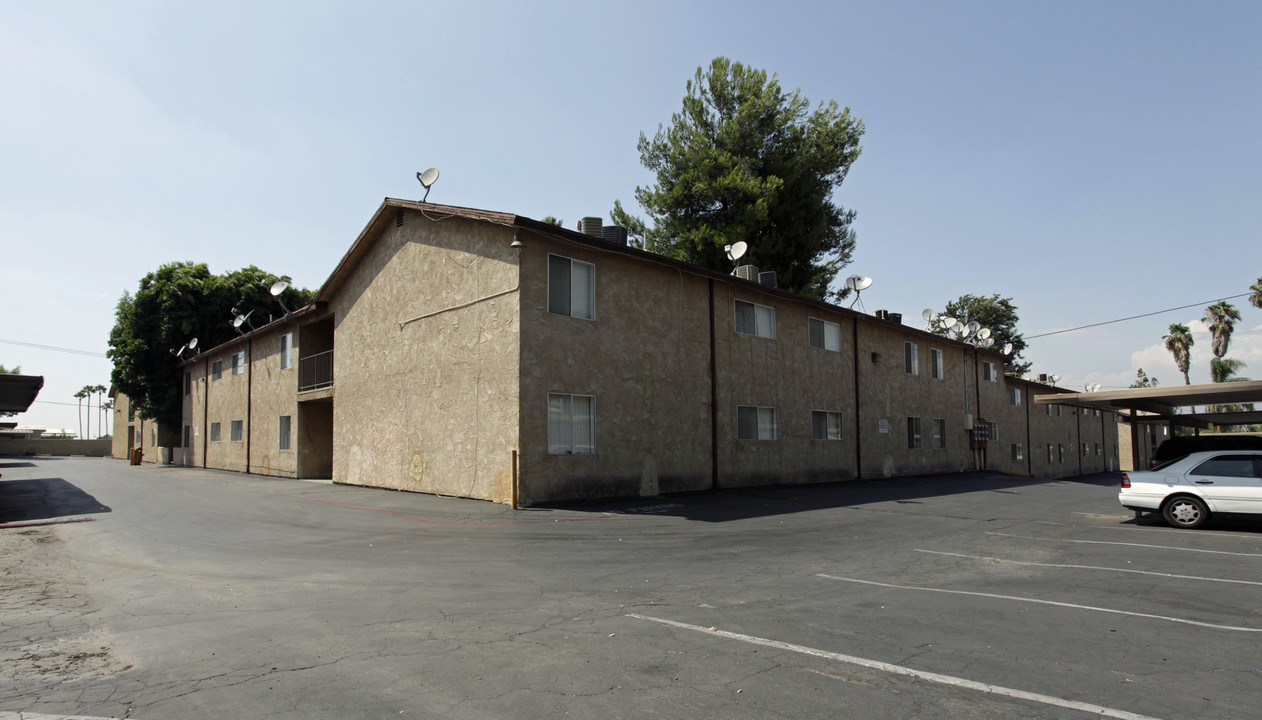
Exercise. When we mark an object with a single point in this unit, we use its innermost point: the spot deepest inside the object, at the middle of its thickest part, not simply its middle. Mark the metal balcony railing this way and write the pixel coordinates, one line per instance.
(315, 372)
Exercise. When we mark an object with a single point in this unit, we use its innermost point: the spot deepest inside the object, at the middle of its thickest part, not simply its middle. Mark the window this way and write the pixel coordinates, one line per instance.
(1058, 410)
(1018, 452)
(911, 358)
(571, 424)
(237, 428)
(939, 433)
(187, 430)
(1049, 454)
(752, 319)
(1086, 450)
(1048, 409)
(286, 351)
(913, 433)
(216, 369)
(284, 432)
(755, 423)
(571, 287)
(988, 372)
(992, 431)
(153, 437)
(824, 335)
(188, 383)
(214, 432)
(1227, 466)
(1098, 450)
(238, 363)
(1060, 452)
(825, 425)
(1014, 396)
(937, 364)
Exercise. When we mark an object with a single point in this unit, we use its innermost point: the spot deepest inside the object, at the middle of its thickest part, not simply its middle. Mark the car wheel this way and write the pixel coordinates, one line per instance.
(1185, 511)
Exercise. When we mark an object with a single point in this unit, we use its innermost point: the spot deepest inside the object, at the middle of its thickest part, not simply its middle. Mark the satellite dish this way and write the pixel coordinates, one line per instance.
(861, 282)
(928, 314)
(949, 322)
(736, 250)
(1054, 379)
(279, 287)
(983, 333)
(427, 178)
(1007, 349)
(974, 326)
(987, 342)
(237, 321)
(192, 344)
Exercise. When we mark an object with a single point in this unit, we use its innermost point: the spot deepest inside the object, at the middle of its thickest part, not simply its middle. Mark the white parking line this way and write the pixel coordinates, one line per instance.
(1089, 567)
(1107, 542)
(1044, 602)
(906, 671)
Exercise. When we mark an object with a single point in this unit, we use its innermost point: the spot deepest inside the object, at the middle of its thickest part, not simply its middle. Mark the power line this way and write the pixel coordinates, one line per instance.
(58, 349)
(1136, 317)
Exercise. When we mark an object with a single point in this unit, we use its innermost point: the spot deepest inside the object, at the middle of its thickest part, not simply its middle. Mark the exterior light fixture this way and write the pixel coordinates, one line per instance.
(517, 244)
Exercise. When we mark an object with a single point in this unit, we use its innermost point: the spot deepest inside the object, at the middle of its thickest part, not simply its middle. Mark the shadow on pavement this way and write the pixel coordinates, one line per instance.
(44, 499)
(752, 502)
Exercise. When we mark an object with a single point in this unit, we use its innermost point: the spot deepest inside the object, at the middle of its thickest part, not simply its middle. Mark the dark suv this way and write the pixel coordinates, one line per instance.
(1178, 447)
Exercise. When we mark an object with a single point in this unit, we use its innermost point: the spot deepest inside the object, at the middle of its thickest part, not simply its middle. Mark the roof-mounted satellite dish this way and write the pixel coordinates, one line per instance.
(1007, 348)
(949, 323)
(736, 250)
(1054, 379)
(427, 178)
(858, 283)
(281, 286)
(983, 333)
(988, 342)
(192, 344)
(974, 326)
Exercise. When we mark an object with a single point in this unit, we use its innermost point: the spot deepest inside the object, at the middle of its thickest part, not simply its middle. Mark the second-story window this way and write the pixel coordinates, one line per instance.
(571, 287)
(754, 319)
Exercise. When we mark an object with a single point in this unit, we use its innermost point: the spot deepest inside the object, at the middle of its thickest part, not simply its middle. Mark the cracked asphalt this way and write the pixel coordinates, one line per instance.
(159, 592)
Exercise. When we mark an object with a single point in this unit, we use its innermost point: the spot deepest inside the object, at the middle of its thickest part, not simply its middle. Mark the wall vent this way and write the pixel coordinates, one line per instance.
(398, 219)
(747, 272)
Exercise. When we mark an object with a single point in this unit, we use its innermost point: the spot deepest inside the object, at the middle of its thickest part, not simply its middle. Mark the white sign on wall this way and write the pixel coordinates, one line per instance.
(884, 426)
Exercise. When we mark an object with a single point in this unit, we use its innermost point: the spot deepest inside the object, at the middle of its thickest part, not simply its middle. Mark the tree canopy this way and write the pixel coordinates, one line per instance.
(996, 313)
(175, 303)
(746, 161)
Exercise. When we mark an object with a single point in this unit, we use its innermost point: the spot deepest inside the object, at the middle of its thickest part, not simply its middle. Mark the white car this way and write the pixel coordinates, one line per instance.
(1190, 489)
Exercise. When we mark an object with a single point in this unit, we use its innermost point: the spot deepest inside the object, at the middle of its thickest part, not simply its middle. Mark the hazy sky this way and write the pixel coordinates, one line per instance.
(1090, 160)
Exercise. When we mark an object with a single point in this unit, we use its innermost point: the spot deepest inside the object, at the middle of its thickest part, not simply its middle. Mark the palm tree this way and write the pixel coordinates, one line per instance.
(81, 395)
(1223, 370)
(1221, 317)
(1256, 298)
(100, 391)
(1179, 342)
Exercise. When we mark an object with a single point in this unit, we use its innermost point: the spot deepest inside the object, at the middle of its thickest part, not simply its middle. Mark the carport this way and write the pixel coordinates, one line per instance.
(1175, 406)
(17, 392)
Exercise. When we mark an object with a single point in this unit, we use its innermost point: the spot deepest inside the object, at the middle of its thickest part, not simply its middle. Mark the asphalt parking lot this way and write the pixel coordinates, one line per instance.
(158, 592)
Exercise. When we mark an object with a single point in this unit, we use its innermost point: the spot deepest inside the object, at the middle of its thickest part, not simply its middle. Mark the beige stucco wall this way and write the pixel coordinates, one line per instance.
(274, 393)
(430, 405)
(645, 358)
(226, 399)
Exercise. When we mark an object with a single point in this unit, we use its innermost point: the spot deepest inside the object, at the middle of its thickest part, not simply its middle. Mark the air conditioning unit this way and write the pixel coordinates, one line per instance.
(747, 272)
(882, 314)
(768, 278)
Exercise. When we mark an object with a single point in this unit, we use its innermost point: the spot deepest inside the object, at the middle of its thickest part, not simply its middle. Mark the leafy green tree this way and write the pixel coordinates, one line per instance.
(996, 313)
(746, 161)
(1142, 380)
(1221, 317)
(553, 221)
(1179, 342)
(1225, 370)
(175, 303)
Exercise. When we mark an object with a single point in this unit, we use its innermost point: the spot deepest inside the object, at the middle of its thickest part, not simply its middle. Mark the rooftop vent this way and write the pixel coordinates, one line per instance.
(590, 226)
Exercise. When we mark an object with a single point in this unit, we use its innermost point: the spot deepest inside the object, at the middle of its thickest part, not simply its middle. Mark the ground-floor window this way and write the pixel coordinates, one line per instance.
(755, 423)
(1018, 452)
(571, 424)
(284, 432)
(939, 433)
(825, 425)
(238, 430)
(913, 433)
(215, 432)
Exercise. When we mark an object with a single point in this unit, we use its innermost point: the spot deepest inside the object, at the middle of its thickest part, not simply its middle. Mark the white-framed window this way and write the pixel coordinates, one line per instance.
(571, 424)
(216, 369)
(913, 433)
(937, 364)
(571, 287)
(992, 431)
(215, 432)
(237, 430)
(286, 351)
(238, 362)
(1048, 409)
(284, 430)
(1018, 452)
(825, 425)
(1014, 396)
(754, 422)
(755, 319)
(824, 335)
(911, 358)
(939, 433)
(989, 373)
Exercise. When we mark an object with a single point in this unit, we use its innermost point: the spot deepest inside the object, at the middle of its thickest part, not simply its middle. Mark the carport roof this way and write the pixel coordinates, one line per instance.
(17, 392)
(1165, 402)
